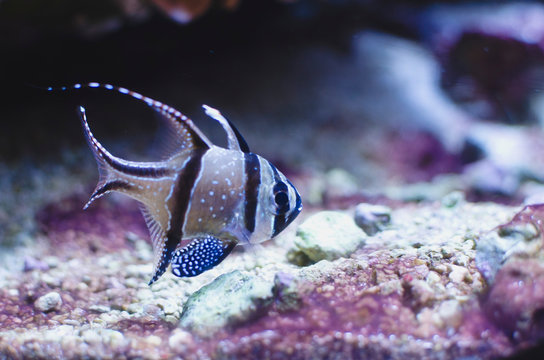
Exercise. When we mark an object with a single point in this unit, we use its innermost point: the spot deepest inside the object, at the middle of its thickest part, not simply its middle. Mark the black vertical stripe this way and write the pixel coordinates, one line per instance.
(279, 224)
(280, 220)
(182, 194)
(253, 180)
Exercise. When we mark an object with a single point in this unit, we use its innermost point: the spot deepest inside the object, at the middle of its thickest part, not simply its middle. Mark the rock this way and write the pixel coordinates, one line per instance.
(230, 299)
(328, 235)
(372, 218)
(339, 183)
(100, 336)
(458, 274)
(91, 336)
(490, 255)
(286, 291)
(515, 302)
(31, 263)
(420, 293)
(439, 187)
(453, 199)
(168, 307)
(99, 308)
(450, 314)
(520, 237)
(48, 302)
(507, 161)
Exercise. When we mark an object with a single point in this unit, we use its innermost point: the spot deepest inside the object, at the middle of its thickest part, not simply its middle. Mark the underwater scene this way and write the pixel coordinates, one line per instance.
(275, 179)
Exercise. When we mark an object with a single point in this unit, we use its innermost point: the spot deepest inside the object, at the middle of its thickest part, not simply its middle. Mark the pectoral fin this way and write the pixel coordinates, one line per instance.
(200, 255)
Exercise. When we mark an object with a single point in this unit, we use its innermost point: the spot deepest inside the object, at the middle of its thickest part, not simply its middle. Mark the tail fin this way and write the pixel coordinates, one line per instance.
(115, 173)
(100, 154)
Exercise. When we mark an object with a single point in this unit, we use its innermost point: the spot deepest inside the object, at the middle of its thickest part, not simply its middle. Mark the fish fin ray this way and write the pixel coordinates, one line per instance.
(167, 141)
(100, 154)
(180, 122)
(182, 135)
(116, 174)
(158, 238)
(105, 187)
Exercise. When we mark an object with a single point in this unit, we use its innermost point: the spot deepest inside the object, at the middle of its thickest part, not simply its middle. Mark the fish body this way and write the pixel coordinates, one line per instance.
(202, 200)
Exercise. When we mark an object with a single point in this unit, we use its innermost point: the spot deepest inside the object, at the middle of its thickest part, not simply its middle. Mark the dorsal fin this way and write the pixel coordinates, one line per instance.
(235, 139)
(188, 134)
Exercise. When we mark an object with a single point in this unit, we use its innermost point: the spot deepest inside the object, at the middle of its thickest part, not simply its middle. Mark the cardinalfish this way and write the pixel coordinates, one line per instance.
(202, 200)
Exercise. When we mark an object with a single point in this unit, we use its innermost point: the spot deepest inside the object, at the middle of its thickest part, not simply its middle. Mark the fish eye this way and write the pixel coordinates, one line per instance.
(281, 198)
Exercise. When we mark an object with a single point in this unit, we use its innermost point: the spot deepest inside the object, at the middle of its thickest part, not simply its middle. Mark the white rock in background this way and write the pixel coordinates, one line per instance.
(328, 235)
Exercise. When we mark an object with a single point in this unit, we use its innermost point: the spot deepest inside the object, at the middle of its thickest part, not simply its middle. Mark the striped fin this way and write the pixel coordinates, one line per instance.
(111, 169)
(235, 139)
(188, 134)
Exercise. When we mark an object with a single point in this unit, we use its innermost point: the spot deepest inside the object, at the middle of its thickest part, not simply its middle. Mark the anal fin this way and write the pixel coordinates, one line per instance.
(159, 242)
(200, 255)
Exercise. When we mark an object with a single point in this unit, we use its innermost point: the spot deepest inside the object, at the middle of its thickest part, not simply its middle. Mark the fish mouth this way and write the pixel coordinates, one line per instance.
(298, 209)
(281, 221)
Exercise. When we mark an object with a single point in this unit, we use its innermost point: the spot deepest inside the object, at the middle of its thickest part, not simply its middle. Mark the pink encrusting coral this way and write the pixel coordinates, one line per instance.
(515, 300)
(372, 310)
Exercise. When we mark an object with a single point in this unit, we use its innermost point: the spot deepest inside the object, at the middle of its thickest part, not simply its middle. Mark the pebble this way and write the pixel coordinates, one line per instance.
(422, 291)
(51, 281)
(372, 218)
(433, 278)
(169, 307)
(453, 199)
(154, 340)
(450, 313)
(31, 263)
(48, 302)
(91, 337)
(458, 274)
(99, 308)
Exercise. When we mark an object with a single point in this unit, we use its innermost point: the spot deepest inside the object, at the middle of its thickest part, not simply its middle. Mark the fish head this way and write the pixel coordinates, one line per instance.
(283, 202)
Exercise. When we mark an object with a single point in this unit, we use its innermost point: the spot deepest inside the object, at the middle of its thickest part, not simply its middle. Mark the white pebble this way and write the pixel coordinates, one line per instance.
(48, 302)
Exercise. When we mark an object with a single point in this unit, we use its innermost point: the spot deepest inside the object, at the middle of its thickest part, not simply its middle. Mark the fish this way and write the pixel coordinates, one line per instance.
(201, 200)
